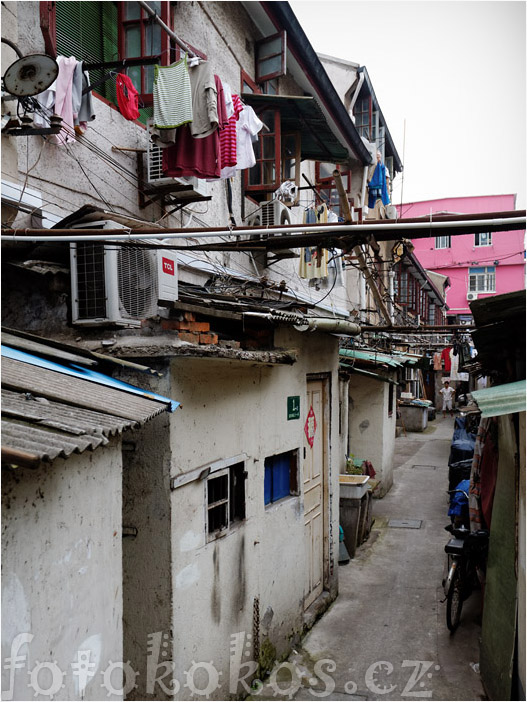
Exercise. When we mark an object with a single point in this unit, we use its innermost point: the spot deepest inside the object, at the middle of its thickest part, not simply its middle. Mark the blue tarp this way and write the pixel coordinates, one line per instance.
(458, 501)
(463, 442)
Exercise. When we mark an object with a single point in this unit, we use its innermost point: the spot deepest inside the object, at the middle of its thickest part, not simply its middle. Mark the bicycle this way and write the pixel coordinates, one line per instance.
(466, 565)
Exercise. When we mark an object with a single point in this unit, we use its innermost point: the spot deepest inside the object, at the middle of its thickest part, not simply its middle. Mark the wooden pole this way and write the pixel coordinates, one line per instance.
(346, 213)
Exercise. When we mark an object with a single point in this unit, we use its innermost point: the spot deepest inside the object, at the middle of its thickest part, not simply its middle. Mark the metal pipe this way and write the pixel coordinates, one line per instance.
(356, 94)
(13, 46)
(167, 29)
(301, 323)
(331, 326)
(330, 229)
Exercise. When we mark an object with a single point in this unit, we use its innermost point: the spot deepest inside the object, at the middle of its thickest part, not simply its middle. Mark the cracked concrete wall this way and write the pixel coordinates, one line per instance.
(61, 569)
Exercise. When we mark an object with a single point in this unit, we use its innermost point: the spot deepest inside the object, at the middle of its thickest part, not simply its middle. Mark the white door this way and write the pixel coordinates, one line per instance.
(313, 479)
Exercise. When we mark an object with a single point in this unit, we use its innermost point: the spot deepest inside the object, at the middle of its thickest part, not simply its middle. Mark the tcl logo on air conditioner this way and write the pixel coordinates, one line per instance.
(168, 266)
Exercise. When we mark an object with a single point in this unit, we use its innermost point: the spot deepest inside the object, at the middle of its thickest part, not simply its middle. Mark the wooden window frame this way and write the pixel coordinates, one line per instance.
(246, 78)
(283, 51)
(144, 20)
(234, 499)
(262, 136)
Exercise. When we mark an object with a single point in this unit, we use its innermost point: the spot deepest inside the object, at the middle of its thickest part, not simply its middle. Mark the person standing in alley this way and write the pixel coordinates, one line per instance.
(448, 394)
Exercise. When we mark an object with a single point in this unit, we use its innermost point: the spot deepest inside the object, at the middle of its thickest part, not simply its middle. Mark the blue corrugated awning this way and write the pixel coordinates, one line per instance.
(501, 399)
(395, 360)
(86, 374)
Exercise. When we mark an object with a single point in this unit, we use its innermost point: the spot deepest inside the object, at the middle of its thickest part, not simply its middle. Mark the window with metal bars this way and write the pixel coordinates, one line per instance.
(225, 499)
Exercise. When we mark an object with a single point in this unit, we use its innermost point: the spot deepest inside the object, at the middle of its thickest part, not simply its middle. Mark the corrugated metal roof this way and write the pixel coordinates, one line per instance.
(89, 375)
(54, 385)
(51, 411)
(395, 360)
(501, 399)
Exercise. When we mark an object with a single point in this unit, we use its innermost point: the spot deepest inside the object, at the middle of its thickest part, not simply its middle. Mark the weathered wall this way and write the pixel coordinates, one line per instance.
(226, 34)
(62, 572)
(263, 557)
(147, 583)
(10, 31)
(371, 430)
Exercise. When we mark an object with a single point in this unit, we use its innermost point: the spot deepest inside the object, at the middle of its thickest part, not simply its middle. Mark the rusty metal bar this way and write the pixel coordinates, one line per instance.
(346, 213)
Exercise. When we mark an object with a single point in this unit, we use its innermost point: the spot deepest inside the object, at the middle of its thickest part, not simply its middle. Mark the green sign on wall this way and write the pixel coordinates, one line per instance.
(293, 407)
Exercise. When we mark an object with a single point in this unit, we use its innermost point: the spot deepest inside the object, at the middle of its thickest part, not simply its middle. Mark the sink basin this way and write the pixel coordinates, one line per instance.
(353, 486)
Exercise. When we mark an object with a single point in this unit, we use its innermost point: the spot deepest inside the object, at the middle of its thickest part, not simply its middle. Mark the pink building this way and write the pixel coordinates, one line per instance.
(478, 265)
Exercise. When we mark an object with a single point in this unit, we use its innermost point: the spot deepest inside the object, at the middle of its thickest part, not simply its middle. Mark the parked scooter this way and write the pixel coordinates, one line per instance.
(466, 556)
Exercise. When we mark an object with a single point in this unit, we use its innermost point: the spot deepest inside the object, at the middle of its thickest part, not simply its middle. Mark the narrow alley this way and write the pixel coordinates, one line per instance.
(386, 635)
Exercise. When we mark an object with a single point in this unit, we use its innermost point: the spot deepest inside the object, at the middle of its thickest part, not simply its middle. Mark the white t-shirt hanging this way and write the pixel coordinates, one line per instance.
(247, 127)
(229, 104)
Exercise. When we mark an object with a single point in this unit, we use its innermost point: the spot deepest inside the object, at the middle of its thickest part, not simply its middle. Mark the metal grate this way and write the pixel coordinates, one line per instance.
(424, 467)
(405, 523)
(90, 281)
(137, 277)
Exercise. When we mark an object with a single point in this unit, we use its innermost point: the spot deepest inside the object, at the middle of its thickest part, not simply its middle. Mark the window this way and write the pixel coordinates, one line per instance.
(271, 57)
(281, 476)
(482, 279)
(325, 184)
(266, 174)
(390, 400)
(141, 36)
(225, 499)
(103, 32)
(443, 242)
(362, 114)
(483, 239)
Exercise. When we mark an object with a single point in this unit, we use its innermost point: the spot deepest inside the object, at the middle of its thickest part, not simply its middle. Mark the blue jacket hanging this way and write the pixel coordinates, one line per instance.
(377, 187)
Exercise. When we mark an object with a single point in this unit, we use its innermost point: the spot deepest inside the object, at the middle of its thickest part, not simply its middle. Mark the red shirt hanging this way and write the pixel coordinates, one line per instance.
(127, 97)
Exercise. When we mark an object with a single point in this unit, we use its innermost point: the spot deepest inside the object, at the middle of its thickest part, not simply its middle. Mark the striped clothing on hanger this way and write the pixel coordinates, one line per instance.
(229, 154)
(172, 95)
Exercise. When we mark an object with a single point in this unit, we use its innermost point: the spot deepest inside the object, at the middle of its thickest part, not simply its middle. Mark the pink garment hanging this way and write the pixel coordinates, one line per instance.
(127, 97)
(228, 136)
(63, 99)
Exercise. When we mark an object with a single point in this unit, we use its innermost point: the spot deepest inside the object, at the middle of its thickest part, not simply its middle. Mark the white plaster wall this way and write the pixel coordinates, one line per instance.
(62, 571)
(228, 409)
(371, 430)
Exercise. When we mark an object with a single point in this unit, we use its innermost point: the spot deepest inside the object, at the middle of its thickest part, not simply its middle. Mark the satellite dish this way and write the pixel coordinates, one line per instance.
(30, 75)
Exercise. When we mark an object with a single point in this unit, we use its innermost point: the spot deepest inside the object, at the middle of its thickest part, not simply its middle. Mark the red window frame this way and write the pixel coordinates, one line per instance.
(325, 186)
(144, 20)
(260, 44)
(246, 80)
(262, 160)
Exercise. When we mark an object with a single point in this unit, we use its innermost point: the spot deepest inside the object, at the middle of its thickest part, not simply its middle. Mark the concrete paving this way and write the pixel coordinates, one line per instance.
(385, 636)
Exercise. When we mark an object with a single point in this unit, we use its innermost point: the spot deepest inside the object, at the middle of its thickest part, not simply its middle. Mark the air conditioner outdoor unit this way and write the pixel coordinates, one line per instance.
(119, 284)
(269, 214)
(472, 296)
(154, 170)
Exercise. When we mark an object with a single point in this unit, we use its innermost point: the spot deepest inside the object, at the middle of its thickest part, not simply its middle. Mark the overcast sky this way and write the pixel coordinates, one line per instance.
(454, 71)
